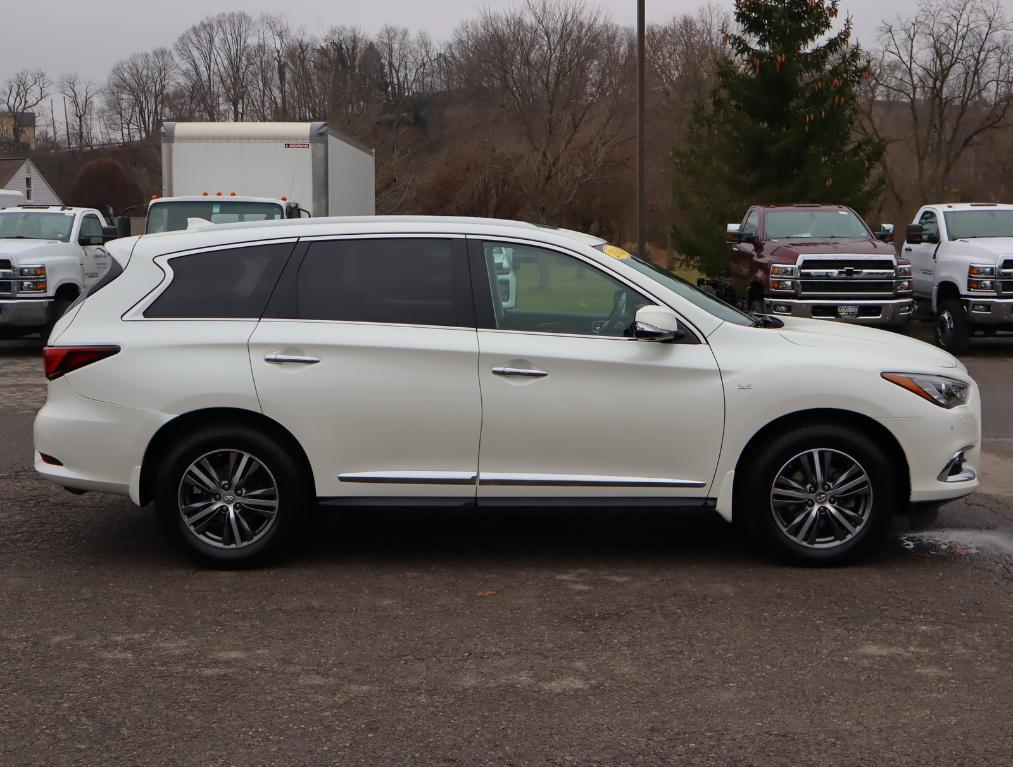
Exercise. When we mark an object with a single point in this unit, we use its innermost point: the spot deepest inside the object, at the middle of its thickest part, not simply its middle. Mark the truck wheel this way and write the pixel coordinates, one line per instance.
(230, 496)
(820, 495)
(953, 330)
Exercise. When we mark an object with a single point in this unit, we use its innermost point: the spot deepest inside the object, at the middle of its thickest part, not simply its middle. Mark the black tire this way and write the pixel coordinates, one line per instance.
(953, 329)
(217, 443)
(841, 444)
(923, 516)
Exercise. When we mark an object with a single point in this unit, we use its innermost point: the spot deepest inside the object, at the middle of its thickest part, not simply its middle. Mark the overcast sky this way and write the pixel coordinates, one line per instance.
(88, 37)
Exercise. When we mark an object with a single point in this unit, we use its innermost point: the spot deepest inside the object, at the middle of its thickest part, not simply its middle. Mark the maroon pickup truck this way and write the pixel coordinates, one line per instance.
(819, 261)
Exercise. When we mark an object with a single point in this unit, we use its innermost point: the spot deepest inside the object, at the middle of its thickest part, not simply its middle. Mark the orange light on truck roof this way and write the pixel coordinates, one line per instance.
(284, 198)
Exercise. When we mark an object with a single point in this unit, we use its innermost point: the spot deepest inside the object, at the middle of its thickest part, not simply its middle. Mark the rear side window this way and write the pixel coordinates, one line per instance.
(221, 284)
(409, 281)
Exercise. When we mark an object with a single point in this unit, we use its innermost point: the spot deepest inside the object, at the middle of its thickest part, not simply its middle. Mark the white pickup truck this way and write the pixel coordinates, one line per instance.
(962, 269)
(49, 255)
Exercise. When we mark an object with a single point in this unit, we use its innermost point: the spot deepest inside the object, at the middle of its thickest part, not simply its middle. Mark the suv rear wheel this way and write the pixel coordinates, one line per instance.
(822, 494)
(229, 495)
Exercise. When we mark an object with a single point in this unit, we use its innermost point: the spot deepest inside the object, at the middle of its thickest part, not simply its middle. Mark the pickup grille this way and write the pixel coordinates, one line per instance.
(6, 277)
(847, 278)
(1006, 277)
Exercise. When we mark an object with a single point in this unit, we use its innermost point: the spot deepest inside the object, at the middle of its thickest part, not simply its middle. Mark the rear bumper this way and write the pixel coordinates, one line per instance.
(880, 313)
(989, 311)
(25, 312)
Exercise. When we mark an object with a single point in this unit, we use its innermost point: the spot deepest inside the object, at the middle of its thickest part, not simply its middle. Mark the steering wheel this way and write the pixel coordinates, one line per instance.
(617, 323)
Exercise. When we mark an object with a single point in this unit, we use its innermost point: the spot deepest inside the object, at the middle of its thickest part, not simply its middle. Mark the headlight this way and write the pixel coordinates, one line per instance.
(981, 278)
(980, 270)
(904, 270)
(32, 271)
(33, 286)
(943, 391)
(782, 270)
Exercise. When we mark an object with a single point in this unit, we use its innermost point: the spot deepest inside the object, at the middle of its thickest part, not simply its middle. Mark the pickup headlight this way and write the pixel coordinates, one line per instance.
(981, 278)
(904, 271)
(783, 270)
(32, 271)
(940, 390)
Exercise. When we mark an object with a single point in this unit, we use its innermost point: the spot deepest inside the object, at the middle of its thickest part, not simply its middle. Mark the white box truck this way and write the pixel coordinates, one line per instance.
(222, 172)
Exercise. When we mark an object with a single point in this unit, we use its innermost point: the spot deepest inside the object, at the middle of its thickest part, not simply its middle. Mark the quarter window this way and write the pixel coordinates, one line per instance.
(407, 281)
(222, 284)
(538, 290)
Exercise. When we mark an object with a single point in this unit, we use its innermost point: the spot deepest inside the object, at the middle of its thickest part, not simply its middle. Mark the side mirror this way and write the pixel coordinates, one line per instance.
(885, 233)
(123, 226)
(90, 239)
(914, 234)
(656, 323)
(109, 233)
(733, 233)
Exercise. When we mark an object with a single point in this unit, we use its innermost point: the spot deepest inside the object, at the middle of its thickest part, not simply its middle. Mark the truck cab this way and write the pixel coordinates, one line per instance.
(820, 262)
(171, 214)
(49, 255)
(962, 260)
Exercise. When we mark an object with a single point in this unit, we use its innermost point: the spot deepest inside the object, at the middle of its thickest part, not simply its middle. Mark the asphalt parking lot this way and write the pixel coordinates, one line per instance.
(427, 637)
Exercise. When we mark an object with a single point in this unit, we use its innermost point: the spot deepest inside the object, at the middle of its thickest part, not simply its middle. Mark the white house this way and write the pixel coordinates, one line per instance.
(19, 174)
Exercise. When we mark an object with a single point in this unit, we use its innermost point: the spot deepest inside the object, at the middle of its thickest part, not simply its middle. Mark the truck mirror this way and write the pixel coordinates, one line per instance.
(914, 234)
(292, 210)
(109, 233)
(732, 233)
(90, 239)
(123, 226)
(885, 233)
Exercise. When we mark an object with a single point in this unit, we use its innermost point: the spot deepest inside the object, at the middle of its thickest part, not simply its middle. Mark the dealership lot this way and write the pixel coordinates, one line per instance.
(449, 638)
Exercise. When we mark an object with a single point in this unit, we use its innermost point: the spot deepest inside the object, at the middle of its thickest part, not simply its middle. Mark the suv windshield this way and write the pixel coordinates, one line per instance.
(815, 224)
(968, 224)
(18, 225)
(706, 301)
(173, 216)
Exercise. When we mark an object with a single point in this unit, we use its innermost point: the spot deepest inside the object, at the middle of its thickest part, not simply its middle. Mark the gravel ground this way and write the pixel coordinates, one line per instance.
(428, 637)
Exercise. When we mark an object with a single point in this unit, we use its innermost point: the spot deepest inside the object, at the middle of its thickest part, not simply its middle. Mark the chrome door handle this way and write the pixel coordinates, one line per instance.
(519, 372)
(292, 358)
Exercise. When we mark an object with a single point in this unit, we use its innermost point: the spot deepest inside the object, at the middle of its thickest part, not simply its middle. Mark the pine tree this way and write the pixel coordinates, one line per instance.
(779, 128)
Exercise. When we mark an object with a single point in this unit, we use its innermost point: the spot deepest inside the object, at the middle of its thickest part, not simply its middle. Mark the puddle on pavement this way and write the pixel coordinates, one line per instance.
(958, 542)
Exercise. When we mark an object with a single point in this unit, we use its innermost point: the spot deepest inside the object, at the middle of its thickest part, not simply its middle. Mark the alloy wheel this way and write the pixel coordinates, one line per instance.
(228, 499)
(821, 498)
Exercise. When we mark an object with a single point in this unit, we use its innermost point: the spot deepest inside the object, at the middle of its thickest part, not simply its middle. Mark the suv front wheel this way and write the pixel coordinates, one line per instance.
(821, 494)
(229, 495)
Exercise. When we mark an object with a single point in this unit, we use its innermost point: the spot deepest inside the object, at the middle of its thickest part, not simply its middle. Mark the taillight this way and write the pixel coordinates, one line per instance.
(64, 359)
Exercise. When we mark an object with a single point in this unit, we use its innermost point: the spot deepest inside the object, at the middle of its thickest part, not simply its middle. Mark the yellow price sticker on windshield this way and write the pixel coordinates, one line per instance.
(616, 252)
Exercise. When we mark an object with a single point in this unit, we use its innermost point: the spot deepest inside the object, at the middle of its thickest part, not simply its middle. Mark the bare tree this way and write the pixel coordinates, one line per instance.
(197, 56)
(941, 82)
(557, 74)
(139, 87)
(235, 61)
(22, 93)
(81, 95)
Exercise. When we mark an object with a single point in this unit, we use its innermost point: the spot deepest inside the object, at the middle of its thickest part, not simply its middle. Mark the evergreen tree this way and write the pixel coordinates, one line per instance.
(779, 128)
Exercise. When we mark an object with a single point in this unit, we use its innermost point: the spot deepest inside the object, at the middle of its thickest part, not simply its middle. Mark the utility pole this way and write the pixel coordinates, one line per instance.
(641, 129)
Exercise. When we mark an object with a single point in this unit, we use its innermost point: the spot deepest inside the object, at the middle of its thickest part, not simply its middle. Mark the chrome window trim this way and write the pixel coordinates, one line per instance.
(594, 264)
(136, 312)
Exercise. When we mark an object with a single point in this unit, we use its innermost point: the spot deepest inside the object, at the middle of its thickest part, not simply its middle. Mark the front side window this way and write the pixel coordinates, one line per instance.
(930, 226)
(91, 227)
(752, 223)
(36, 226)
(544, 291)
(406, 281)
(803, 224)
(223, 284)
(969, 224)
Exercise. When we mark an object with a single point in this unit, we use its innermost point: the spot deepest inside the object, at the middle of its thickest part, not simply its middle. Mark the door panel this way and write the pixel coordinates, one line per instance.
(922, 256)
(612, 417)
(393, 403)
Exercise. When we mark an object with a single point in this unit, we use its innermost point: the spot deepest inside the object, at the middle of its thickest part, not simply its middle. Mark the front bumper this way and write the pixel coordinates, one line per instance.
(989, 311)
(25, 312)
(881, 313)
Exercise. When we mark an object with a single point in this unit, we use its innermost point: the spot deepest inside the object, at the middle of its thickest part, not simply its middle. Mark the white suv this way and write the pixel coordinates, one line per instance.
(236, 375)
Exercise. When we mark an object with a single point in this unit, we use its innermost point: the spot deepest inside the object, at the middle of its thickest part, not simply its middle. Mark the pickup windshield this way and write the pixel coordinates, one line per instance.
(815, 224)
(968, 224)
(18, 225)
(173, 216)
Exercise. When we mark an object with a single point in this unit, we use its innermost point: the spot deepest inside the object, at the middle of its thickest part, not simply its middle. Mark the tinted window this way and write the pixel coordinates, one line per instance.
(543, 291)
(233, 283)
(405, 281)
(930, 225)
(91, 227)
